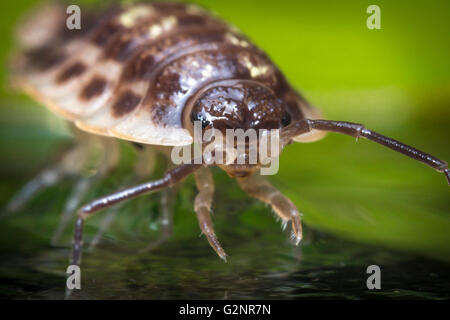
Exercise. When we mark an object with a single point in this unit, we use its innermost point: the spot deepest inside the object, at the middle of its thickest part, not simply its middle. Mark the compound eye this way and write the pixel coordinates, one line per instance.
(200, 117)
(286, 120)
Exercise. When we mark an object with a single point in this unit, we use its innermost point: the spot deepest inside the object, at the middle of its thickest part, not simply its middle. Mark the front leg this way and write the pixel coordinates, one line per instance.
(170, 178)
(261, 189)
(202, 207)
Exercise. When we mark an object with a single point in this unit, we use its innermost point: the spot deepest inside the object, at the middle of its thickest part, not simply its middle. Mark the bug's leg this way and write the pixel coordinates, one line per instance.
(171, 178)
(109, 218)
(46, 178)
(165, 219)
(69, 208)
(359, 131)
(70, 165)
(109, 159)
(261, 189)
(144, 168)
(166, 211)
(202, 207)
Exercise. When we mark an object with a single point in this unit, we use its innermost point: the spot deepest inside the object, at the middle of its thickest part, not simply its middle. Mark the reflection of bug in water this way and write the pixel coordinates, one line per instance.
(144, 73)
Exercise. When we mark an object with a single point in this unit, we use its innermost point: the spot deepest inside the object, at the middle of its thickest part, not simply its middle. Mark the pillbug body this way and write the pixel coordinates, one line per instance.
(145, 73)
(132, 74)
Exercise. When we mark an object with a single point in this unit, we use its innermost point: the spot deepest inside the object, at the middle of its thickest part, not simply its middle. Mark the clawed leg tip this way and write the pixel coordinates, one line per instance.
(223, 257)
(447, 175)
(221, 253)
(296, 238)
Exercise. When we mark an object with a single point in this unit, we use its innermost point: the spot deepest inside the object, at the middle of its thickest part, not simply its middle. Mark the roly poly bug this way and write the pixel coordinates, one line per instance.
(145, 73)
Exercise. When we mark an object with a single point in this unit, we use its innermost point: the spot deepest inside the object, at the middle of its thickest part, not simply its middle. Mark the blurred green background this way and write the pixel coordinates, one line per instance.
(395, 81)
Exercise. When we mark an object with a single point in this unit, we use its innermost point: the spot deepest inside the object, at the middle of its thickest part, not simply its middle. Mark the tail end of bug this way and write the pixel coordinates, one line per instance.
(447, 175)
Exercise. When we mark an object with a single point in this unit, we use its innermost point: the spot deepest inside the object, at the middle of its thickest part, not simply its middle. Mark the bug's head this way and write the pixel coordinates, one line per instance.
(242, 109)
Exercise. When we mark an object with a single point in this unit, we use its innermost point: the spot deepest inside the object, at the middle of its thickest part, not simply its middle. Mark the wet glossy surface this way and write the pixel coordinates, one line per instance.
(327, 268)
(262, 263)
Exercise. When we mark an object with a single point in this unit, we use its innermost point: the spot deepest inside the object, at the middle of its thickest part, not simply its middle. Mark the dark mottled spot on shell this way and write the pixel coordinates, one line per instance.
(123, 50)
(213, 34)
(94, 88)
(139, 67)
(169, 84)
(161, 115)
(117, 47)
(126, 103)
(73, 70)
(169, 6)
(44, 59)
(102, 37)
(191, 20)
